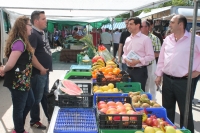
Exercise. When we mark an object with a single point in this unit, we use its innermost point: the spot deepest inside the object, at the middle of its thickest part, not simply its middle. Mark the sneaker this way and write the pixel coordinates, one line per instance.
(38, 125)
(13, 131)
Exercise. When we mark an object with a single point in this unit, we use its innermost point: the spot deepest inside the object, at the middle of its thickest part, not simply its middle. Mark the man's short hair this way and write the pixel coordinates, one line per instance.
(76, 29)
(150, 21)
(107, 30)
(182, 19)
(36, 15)
(136, 20)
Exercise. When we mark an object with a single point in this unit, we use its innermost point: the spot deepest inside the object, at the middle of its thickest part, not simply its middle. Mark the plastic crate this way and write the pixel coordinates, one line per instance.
(79, 58)
(115, 121)
(127, 87)
(117, 131)
(122, 77)
(86, 87)
(79, 101)
(158, 112)
(76, 120)
(95, 95)
(185, 130)
(147, 93)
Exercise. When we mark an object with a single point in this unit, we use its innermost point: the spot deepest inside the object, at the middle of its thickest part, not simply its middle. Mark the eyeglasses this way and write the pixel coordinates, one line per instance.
(29, 24)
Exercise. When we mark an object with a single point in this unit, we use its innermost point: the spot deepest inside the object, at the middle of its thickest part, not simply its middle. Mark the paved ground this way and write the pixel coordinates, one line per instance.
(6, 123)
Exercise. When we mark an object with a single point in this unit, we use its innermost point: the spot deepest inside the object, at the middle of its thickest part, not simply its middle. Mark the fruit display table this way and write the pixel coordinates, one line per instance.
(68, 55)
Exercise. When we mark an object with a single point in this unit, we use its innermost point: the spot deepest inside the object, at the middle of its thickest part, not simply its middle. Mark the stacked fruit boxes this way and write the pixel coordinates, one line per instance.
(76, 114)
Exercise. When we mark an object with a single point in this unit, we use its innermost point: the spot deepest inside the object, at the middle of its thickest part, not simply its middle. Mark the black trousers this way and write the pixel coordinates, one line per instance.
(174, 90)
(138, 75)
(115, 49)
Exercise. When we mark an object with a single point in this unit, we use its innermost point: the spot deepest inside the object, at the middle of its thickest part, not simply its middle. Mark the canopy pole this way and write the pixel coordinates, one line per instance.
(189, 82)
(131, 13)
(112, 34)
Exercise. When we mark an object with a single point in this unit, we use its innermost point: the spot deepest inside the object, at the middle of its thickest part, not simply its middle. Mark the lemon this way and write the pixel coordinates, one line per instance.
(105, 88)
(99, 91)
(110, 91)
(95, 87)
(111, 85)
(115, 90)
(94, 90)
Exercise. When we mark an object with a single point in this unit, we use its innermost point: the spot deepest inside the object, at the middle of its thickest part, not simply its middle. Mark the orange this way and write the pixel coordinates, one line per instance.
(94, 76)
(116, 71)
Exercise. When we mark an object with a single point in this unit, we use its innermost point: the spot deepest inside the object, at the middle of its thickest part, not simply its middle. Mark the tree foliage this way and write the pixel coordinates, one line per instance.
(169, 3)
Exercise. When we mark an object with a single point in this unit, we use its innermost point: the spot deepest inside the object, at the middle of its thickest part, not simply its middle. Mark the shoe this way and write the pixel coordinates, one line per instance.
(38, 125)
(13, 131)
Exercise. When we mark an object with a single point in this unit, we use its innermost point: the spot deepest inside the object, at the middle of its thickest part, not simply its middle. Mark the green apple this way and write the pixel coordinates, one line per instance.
(149, 129)
(139, 132)
(159, 132)
(170, 129)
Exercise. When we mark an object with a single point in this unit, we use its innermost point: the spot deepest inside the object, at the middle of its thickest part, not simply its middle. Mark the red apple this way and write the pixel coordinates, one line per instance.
(149, 121)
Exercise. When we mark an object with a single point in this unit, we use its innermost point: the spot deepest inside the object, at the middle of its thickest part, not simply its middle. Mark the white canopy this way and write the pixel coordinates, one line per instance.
(78, 10)
(154, 11)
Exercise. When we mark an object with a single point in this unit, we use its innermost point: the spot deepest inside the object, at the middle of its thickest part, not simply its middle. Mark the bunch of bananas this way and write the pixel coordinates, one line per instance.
(100, 63)
(111, 63)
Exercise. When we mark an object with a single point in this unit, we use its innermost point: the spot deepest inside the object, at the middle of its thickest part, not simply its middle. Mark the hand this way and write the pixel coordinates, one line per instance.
(134, 62)
(2, 71)
(127, 62)
(119, 60)
(158, 81)
(194, 74)
(43, 71)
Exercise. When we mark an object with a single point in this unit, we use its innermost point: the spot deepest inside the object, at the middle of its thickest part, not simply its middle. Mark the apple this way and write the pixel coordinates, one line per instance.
(155, 122)
(104, 110)
(119, 103)
(153, 117)
(100, 106)
(149, 121)
(127, 104)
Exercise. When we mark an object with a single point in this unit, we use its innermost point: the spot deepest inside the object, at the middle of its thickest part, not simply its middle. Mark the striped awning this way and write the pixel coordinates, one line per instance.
(119, 25)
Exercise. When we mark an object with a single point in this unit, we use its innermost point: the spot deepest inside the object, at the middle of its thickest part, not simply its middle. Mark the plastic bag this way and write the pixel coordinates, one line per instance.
(103, 52)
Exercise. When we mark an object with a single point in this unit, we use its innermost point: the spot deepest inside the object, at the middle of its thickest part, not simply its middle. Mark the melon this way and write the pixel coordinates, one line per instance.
(68, 91)
(71, 87)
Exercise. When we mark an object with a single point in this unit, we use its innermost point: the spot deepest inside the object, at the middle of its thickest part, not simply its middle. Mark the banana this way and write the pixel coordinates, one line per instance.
(98, 63)
(110, 63)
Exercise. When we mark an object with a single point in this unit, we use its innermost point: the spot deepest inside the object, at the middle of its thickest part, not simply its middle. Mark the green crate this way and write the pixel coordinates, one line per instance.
(127, 87)
(79, 58)
(185, 131)
(117, 131)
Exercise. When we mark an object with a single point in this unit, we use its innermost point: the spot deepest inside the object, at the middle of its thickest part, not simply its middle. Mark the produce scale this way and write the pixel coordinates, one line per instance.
(99, 98)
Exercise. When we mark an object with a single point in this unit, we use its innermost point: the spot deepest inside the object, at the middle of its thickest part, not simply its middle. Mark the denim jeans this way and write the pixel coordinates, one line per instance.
(22, 104)
(40, 87)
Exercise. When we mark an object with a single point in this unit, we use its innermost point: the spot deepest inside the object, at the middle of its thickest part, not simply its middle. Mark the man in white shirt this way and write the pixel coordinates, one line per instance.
(106, 39)
(116, 38)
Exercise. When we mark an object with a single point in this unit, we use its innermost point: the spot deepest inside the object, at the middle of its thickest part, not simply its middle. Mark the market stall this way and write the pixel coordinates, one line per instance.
(100, 98)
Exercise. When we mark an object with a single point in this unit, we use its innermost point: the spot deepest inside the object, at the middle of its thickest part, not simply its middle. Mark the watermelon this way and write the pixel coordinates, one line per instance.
(71, 87)
(68, 91)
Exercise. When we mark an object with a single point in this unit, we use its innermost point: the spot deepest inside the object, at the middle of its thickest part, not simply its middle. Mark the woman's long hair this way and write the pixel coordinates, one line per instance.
(18, 31)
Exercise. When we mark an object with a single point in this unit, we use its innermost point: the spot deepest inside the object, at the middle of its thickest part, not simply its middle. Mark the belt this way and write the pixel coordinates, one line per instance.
(172, 77)
(136, 67)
